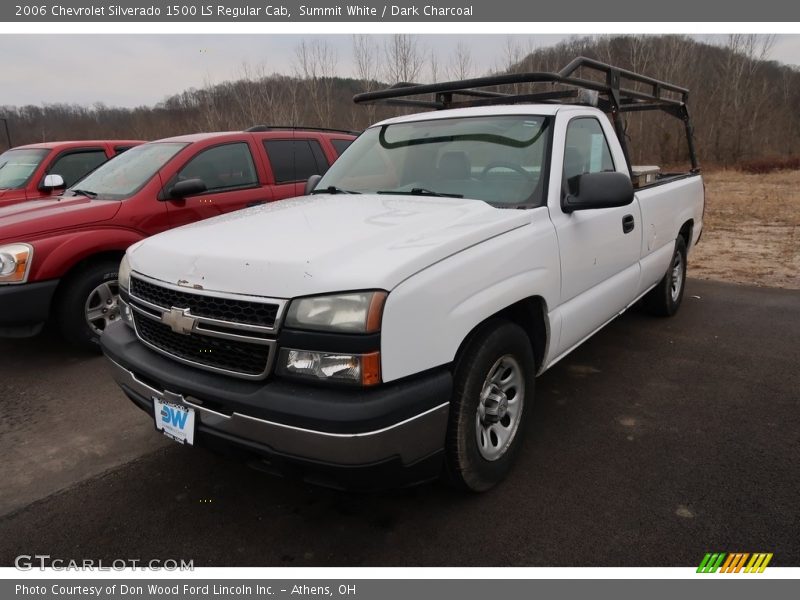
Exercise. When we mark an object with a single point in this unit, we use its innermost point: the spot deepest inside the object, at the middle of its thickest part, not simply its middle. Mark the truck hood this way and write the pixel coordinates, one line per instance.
(21, 222)
(322, 243)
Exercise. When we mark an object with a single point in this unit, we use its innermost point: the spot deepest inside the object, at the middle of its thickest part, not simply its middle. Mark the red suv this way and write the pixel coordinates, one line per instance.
(24, 170)
(59, 257)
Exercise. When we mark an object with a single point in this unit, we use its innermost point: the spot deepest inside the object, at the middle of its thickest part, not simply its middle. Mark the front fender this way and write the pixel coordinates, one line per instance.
(54, 256)
(428, 316)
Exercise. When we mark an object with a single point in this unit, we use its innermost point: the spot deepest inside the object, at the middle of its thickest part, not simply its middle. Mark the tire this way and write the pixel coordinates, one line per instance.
(665, 299)
(477, 458)
(93, 288)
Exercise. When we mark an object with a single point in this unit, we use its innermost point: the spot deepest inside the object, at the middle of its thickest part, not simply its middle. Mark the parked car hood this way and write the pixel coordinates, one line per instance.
(27, 220)
(322, 243)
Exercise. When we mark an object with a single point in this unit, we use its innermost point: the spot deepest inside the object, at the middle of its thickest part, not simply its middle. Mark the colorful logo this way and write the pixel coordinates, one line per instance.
(734, 562)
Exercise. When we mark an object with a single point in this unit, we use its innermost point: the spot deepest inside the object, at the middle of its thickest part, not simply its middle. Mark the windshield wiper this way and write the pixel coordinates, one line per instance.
(332, 189)
(87, 193)
(420, 192)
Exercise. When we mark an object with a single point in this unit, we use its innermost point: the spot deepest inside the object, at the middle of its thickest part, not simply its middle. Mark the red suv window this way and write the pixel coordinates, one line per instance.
(295, 160)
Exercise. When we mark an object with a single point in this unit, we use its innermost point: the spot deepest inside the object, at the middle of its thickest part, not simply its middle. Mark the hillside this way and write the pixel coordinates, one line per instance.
(742, 107)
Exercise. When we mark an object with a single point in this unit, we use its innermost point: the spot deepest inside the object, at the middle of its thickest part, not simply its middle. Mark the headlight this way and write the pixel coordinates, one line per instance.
(124, 278)
(363, 369)
(124, 275)
(15, 262)
(357, 312)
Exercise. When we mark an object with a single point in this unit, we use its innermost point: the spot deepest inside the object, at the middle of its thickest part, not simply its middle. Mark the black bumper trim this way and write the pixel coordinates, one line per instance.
(333, 410)
(24, 308)
(387, 472)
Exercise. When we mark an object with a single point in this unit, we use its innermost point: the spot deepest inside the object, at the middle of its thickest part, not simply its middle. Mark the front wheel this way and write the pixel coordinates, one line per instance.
(88, 304)
(664, 300)
(493, 390)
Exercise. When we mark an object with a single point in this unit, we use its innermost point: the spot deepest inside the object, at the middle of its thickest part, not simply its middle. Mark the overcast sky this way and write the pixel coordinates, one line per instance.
(132, 70)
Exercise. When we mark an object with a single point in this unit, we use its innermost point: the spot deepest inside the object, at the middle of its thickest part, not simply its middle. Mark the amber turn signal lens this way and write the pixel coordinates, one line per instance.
(371, 369)
(375, 312)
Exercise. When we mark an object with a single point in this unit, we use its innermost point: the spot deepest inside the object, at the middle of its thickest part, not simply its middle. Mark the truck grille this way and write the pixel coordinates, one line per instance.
(216, 353)
(229, 335)
(211, 307)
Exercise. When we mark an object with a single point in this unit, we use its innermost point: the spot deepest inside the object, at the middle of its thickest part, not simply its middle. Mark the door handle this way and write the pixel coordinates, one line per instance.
(628, 223)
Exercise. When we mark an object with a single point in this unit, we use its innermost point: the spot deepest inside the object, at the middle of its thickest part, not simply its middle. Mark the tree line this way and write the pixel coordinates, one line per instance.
(743, 105)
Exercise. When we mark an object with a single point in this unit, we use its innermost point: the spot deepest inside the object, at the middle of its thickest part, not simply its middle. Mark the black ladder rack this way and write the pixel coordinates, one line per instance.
(609, 95)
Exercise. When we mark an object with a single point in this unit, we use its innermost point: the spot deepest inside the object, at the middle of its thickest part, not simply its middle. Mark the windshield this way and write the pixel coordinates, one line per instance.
(498, 159)
(17, 166)
(126, 173)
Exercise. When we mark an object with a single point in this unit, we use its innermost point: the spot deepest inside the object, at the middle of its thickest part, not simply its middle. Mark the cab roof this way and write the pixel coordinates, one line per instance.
(483, 111)
(200, 137)
(78, 144)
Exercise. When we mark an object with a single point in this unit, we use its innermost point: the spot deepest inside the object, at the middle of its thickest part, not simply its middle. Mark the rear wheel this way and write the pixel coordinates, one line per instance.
(88, 304)
(664, 300)
(493, 389)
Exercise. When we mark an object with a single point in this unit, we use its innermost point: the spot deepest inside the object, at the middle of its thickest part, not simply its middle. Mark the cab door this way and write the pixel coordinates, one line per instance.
(231, 182)
(599, 249)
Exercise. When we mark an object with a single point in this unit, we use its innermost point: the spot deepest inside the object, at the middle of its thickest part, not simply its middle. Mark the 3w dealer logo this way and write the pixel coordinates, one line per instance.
(734, 562)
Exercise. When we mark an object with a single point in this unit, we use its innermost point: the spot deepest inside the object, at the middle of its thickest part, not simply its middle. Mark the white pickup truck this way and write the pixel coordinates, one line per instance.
(387, 328)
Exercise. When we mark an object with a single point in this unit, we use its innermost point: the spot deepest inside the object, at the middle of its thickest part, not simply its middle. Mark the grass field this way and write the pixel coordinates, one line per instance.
(752, 229)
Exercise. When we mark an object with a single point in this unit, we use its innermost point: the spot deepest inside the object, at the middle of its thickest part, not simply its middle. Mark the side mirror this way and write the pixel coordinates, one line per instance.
(188, 187)
(311, 184)
(608, 189)
(53, 182)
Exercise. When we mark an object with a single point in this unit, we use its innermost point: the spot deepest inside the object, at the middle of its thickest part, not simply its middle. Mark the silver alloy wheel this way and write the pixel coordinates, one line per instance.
(500, 408)
(676, 277)
(102, 306)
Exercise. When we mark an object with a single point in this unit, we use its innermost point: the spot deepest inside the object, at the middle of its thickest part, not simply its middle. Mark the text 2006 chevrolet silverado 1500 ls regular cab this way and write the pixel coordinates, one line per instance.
(395, 324)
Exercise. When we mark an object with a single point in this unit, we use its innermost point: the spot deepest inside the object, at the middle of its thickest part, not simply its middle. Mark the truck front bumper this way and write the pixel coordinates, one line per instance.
(342, 437)
(24, 308)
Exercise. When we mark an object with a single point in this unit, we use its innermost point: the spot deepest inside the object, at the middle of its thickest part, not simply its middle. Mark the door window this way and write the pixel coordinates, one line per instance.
(76, 165)
(586, 151)
(295, 160)
(341, 145)
(222, 167)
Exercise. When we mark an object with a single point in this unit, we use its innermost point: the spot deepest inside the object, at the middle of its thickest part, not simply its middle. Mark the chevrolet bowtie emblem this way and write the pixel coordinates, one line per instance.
(178, 320)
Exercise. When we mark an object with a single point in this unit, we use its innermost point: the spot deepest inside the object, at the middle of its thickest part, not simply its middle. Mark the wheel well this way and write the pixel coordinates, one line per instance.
(530, 314)
(686, 232)
(82, 264)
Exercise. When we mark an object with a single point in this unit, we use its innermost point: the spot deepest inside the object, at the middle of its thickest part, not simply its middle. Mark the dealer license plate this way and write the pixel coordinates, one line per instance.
(174, 420)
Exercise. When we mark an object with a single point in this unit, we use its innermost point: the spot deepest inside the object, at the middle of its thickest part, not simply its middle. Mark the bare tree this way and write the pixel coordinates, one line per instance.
(404, 58)
(433, 66)
(210, 111)
(512, 56)
(512, 60)
(365, 58)
(460, 66)
(290, 113)
(252, 97)
(316, 65)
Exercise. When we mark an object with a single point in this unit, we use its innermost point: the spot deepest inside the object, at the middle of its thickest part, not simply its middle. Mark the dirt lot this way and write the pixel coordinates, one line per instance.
(752, 229)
